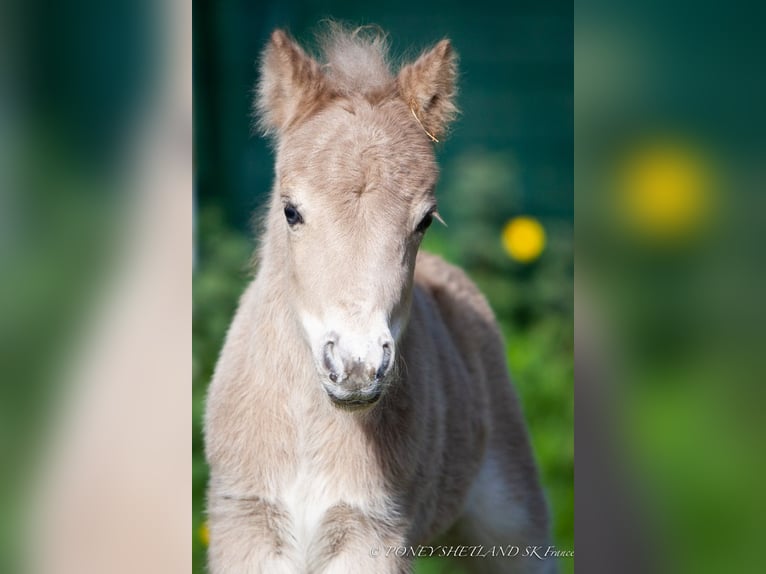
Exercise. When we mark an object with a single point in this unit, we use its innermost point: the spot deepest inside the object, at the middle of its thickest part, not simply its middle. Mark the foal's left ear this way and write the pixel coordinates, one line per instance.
(428, 87)
(291, 83)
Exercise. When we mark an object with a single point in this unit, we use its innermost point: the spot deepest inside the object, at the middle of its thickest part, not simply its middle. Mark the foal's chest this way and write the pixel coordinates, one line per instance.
(333, 467)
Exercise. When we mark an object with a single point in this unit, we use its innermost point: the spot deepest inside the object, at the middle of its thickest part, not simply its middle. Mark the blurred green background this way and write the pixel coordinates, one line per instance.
(670, 284)
(505, 192)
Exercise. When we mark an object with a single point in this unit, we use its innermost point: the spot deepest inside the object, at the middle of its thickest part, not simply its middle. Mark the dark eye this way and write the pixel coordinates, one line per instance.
(424, 223)
(292, 215)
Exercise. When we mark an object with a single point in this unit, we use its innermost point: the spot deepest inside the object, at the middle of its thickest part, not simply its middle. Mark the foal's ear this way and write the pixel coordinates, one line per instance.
(428, 87)
(291, 81)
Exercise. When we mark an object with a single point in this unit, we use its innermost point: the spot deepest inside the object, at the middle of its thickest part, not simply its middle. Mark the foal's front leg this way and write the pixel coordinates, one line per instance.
(250, 535)
(349, 540)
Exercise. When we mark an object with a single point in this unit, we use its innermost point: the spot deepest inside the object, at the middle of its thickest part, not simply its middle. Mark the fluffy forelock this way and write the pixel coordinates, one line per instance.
(355, 60)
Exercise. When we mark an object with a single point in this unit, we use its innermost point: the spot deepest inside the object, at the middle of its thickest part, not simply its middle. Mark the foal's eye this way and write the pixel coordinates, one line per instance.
(424, 223)
(292, 215)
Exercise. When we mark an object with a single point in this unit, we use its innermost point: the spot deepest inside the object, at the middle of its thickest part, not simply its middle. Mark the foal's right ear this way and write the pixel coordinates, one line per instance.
(291, 81)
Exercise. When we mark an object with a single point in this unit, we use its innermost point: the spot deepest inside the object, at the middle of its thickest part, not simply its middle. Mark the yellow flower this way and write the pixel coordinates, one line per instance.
(204, 534)
(524, 239)
(664, 189)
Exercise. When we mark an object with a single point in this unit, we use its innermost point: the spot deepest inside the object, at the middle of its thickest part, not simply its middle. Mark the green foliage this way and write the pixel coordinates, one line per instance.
(220, 277)
(533, 304)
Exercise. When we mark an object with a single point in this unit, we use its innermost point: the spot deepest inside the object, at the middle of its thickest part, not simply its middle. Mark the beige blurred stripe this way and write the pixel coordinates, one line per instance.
(114, 493)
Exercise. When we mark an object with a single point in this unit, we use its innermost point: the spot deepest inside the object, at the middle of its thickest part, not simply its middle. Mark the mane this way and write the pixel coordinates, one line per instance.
(355, 60)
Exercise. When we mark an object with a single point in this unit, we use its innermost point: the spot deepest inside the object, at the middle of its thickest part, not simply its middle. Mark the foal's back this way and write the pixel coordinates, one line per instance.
(504, 502)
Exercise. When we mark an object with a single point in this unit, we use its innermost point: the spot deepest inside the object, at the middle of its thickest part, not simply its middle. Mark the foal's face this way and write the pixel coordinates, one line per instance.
(354, 194)
(355, 197)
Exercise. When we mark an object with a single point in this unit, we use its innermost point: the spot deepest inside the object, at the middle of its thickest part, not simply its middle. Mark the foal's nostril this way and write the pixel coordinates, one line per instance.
(327, 359)
(385, 362)
(327, 355)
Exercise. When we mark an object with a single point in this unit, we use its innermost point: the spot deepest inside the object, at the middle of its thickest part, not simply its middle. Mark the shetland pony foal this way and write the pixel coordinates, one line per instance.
(361, 400)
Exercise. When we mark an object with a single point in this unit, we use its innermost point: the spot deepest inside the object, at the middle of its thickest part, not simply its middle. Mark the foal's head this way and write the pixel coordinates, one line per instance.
(354, 194)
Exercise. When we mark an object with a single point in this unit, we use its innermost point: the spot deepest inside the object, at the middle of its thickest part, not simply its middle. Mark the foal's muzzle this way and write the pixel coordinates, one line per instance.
(353, 381)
